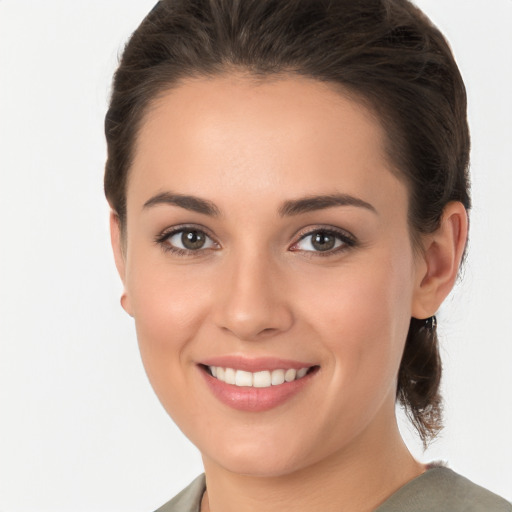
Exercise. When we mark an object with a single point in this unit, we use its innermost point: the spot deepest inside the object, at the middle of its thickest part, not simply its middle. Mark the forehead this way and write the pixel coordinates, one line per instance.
(285, 136)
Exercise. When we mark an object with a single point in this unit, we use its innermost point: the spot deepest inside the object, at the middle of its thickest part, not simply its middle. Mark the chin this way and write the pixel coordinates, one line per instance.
(260, 465)
(266, 458)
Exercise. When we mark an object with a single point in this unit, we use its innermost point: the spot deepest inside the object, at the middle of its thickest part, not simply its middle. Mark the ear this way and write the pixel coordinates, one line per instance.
(439, 263)
(116, 240)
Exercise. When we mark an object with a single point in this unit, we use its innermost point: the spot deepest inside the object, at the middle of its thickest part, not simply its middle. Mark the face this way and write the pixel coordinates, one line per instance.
(269, 268)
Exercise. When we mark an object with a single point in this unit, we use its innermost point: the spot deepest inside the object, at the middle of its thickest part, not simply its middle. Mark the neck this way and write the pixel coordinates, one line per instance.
(358, 479)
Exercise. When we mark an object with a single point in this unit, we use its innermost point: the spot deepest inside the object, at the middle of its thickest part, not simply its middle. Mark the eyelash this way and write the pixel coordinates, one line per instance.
(163, 240)
(347, 241)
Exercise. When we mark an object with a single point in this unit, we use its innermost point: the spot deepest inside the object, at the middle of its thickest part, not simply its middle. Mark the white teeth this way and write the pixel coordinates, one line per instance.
(243, 378)
(302, 372)
(290, 375)
(230, 376)
(277, 377)
(263, 379)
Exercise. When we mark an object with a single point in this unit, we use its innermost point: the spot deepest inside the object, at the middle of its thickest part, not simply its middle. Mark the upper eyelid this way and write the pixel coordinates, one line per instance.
(163, 240)
(304, 232)
(165, 233)
(298, 236)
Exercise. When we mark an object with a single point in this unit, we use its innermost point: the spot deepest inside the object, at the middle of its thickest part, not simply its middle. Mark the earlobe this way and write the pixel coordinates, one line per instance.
(441, 258)
(125, 303)
(116, 240)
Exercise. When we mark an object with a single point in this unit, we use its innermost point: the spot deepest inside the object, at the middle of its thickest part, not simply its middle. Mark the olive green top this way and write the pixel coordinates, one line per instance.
(439, 489)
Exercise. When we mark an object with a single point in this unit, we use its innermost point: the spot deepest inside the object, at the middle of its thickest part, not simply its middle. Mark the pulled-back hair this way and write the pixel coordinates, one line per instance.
(385, 53)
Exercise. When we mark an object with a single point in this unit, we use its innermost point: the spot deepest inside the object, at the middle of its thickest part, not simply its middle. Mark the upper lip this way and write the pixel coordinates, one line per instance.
(256, 364)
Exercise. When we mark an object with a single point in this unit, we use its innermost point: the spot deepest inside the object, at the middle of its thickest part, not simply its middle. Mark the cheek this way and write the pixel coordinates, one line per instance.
(163, 308)
(362, 314)
(169, 305)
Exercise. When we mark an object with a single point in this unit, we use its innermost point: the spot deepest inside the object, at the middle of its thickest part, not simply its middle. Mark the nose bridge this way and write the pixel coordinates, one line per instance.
(252, 303)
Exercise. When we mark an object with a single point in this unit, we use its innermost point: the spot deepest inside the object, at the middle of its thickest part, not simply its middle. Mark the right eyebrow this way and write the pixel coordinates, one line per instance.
(192, 203)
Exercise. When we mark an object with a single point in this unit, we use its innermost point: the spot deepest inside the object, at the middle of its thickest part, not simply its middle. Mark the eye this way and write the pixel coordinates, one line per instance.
(186, 240)
(323, 241)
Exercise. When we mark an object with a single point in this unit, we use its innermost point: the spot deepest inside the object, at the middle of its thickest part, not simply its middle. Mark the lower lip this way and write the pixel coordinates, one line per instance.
(251, 399)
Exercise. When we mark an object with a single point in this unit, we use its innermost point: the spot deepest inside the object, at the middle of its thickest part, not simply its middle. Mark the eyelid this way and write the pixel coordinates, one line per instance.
(347, 238)
(168, 232)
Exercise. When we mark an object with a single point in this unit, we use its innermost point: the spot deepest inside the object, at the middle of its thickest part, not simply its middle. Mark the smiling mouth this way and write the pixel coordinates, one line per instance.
(261, 379)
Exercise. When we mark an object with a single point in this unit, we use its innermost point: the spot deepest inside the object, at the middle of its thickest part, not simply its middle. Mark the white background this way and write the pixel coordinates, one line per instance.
(80, 429)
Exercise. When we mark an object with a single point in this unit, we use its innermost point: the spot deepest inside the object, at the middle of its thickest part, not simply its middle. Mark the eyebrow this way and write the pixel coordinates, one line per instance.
(288, 208)
(312, 203)
(191, 203)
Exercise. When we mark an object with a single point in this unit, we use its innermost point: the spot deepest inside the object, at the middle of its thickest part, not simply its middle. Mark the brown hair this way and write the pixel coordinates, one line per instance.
(386, 52)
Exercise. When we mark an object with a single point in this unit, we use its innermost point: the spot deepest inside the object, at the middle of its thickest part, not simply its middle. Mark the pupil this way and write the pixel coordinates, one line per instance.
(192, 239)
(323, 241)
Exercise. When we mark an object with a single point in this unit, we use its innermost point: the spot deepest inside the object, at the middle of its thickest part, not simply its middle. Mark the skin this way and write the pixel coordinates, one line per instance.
(259, 289)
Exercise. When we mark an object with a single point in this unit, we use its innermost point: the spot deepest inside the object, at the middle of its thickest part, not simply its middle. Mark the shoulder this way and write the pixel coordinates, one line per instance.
(442, 490)
(188, 500)
(439, 489)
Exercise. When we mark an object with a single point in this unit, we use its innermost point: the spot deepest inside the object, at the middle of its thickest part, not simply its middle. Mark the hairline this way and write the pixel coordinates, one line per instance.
(390, 149)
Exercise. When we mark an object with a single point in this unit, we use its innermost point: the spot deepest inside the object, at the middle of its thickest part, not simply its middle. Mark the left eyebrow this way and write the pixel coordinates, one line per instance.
(312, 203)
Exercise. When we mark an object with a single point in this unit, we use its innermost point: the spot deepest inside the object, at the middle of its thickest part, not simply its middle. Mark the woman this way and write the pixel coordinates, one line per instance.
(289, 193)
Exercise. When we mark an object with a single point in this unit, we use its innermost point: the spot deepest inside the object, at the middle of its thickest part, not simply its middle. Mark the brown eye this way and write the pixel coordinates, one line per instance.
(323, 241)
(193, 239)
(187, 239)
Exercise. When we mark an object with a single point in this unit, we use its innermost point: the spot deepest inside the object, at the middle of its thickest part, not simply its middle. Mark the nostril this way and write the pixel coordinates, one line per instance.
(268, 330)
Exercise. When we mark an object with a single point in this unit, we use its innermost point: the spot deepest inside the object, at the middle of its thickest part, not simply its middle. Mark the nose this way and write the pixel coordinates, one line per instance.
(253, 302)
